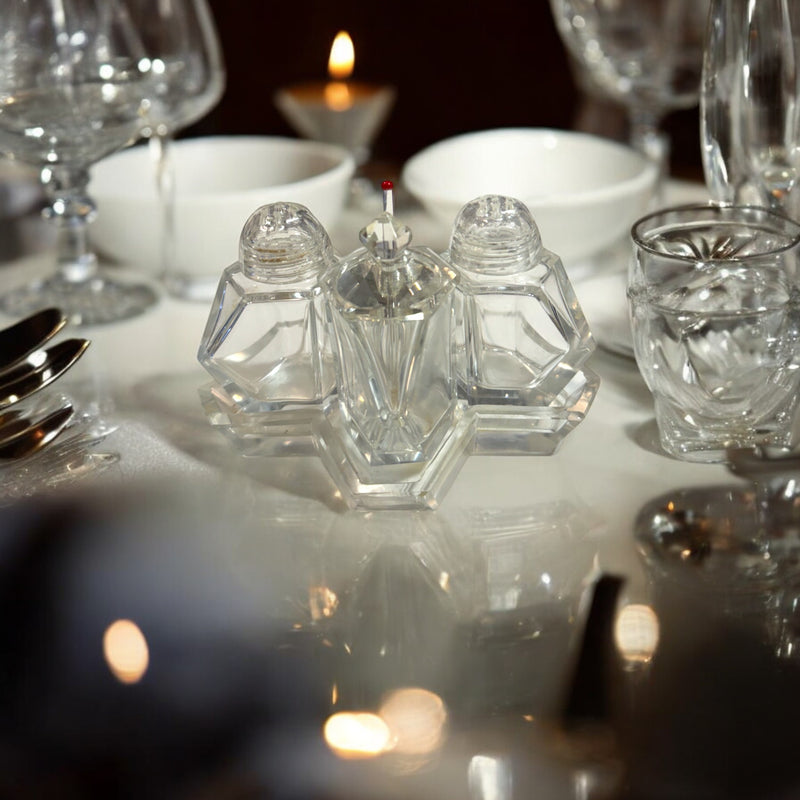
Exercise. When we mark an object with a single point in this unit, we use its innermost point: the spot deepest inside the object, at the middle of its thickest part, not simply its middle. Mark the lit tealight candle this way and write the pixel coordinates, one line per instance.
(340, 111)
(340, 67)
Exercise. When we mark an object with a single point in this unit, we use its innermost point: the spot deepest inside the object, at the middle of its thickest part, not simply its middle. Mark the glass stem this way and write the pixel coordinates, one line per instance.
(646, 137)
(72, 210)
(160, 149)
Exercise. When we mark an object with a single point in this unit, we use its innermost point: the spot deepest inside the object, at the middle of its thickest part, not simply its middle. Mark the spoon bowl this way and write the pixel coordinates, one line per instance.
(19, 340)
(38, 370)
(25, 439)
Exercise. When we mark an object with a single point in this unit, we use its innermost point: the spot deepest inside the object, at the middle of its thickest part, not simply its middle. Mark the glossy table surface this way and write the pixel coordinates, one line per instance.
(266, 607)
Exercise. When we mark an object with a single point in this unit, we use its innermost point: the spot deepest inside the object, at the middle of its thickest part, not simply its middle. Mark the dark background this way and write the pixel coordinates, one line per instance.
(457, 66)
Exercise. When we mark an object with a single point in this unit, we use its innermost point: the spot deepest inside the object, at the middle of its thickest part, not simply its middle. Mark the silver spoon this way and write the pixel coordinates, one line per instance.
(35, 435)
(38, 370)
(24, 337)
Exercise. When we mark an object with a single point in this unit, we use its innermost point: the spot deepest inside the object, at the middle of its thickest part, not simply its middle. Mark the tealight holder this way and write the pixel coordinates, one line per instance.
(338, 112)
(395, 363)
(343, 112)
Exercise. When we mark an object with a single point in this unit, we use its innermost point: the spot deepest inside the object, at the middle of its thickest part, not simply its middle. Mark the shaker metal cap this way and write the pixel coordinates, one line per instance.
(284, 241)
(494, 233)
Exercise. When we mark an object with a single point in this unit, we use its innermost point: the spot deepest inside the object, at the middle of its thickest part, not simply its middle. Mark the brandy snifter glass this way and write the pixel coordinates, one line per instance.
(71, 92)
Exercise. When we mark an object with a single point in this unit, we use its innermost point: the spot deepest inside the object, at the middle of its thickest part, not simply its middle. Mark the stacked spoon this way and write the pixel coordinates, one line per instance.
(27, 365)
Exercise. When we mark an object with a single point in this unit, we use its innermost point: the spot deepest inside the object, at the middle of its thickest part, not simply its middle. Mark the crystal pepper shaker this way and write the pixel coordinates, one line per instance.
(265, 341)
(394, 436)
(521, 338)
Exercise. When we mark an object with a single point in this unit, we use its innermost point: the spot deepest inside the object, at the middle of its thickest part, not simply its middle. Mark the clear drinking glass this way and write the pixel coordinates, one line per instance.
(644, 54)
(71, 92)
(715, 313)
(750, 130)
(186, 79)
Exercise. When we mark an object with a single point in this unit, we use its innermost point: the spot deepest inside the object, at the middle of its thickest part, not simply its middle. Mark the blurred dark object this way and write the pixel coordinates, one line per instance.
(588, 698)
(456, 66)
(222, 705)
(716, 716)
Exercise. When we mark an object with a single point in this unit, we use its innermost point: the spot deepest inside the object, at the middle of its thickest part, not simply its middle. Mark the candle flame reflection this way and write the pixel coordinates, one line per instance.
(411, 722)
(356, 734)
(337, 96)
(636, 634)
(323, 602)
(125, 650)
(417, 720)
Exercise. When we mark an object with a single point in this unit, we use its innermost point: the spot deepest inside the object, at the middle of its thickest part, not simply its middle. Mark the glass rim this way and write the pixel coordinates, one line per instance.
(788, 226)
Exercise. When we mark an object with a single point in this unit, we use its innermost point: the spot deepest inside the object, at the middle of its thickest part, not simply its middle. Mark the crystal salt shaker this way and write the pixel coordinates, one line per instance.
(394, 436)
(265, 341)
(521, 338)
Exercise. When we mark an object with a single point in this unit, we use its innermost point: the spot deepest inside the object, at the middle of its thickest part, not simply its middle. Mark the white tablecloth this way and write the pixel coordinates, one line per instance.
(145, 374)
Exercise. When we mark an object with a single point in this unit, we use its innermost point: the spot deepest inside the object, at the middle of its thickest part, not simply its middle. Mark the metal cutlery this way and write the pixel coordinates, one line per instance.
(27, 366)
(38, 370)
(24, 440)
(22, 338)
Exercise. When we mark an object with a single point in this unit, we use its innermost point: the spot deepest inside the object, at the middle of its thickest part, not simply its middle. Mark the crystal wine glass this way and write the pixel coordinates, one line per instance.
(750, 111)
(187, 79)
(71, 91)
(644, 54)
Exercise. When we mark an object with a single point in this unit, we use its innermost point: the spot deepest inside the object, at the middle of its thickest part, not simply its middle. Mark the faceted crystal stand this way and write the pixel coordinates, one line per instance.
(254, 433)
(394, 486)
(539, 429)
(394, 363)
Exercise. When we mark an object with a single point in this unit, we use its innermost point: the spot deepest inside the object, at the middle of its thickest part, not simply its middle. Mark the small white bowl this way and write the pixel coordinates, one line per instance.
(583, 191)
(219, 182)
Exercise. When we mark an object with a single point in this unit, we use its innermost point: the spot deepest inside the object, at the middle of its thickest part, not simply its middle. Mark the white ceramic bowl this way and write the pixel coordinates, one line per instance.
(583, 191)
(219, 182)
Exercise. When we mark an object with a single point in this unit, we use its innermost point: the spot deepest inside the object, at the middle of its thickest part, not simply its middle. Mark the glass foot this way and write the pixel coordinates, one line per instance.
(404, 485)
(715, 537)
(100, 299)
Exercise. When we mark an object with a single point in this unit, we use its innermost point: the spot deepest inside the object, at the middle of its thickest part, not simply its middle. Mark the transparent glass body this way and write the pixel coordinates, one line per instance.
(521, 337)
(748, 122)
(397, 409)
(185, 80)
(644, 54)
(265, 342)
(72, 87)
(397, 389)
(715, 314)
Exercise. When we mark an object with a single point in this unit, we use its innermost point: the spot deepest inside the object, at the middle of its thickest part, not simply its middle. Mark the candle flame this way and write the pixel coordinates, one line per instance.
(342, 58)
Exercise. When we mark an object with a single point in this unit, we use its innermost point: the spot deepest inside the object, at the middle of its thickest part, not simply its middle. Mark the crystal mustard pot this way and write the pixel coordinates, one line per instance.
(265, 342)
(521, 337)
(394, 436)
